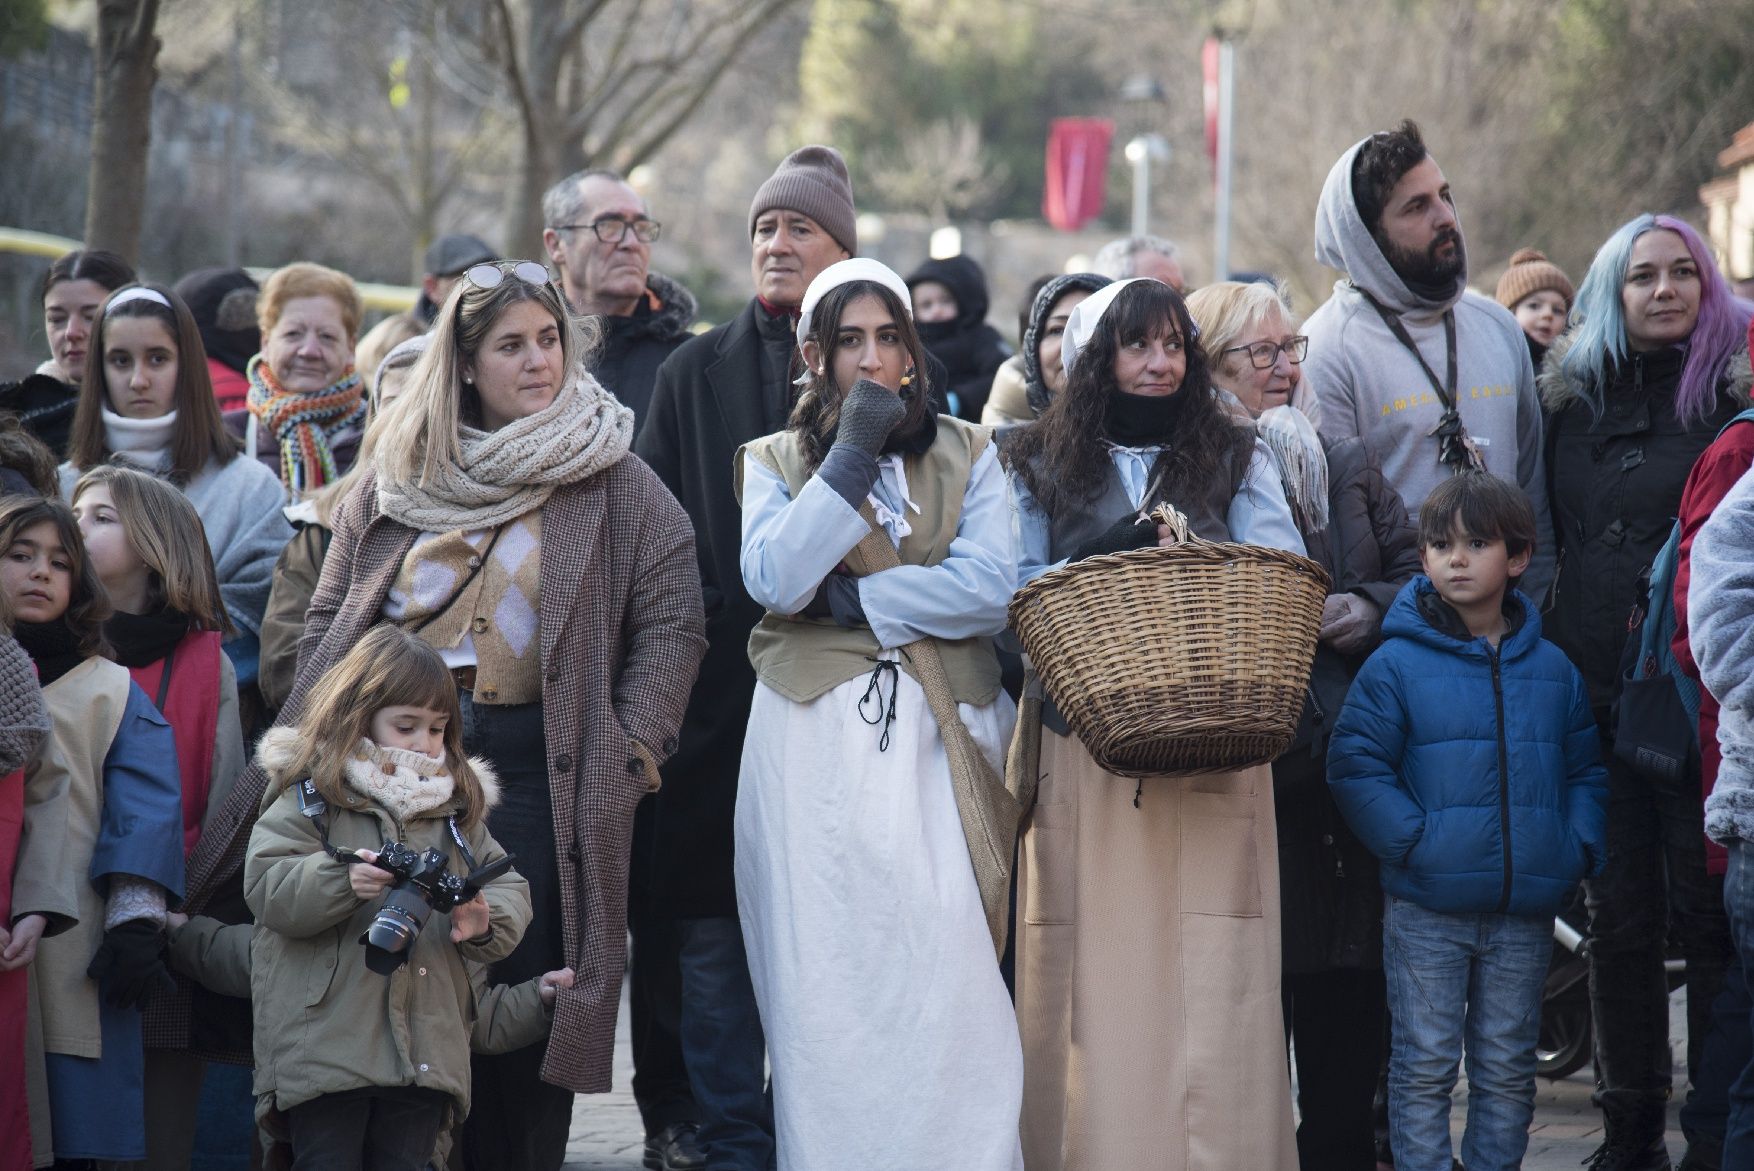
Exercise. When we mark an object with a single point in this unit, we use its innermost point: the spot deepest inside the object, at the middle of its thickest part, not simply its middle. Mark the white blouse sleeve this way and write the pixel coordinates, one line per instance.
(1033, 539)
(789, 545)
(964, 595)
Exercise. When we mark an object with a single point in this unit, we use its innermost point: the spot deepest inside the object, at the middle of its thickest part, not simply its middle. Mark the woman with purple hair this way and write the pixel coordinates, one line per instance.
(1654, 365)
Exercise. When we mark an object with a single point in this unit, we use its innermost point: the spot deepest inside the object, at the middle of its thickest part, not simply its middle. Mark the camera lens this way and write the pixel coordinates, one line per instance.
(395, 927)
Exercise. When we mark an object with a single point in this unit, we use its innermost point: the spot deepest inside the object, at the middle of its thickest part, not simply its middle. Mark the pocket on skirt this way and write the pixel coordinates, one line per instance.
(1220, 863)
(1050, 863)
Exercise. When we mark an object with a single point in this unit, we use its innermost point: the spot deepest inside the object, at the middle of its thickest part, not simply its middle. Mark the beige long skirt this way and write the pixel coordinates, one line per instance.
(1148, 972)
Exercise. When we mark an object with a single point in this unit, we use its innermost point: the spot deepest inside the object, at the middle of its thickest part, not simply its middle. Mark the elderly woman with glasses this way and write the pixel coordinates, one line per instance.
(509, 527)
(1357, 527)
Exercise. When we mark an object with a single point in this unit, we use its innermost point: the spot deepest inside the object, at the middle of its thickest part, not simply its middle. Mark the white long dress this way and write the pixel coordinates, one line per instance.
(891, 1037)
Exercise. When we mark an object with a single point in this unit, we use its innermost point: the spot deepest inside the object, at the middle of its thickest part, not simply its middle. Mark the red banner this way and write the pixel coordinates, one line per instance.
(1077, 171)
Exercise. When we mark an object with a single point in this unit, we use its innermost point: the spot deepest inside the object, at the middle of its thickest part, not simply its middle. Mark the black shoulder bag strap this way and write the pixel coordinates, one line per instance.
(1454, 448)
(164, 678)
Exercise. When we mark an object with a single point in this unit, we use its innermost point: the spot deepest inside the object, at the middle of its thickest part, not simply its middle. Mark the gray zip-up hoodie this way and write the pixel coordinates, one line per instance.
(1720, 628)
(1369, 385)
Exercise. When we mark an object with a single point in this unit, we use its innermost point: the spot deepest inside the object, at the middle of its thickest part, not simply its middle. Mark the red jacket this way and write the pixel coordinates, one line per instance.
(230, 389)
(1715, 473)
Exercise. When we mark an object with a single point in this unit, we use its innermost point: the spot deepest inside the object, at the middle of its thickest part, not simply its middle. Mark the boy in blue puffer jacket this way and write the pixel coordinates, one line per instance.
(1466, 759)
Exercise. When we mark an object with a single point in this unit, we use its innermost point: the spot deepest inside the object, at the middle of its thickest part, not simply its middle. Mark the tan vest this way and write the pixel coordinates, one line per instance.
(803, 658)
(85, 710)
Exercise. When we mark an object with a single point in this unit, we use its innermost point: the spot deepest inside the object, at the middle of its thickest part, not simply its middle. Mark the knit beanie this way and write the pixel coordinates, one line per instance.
(1530, 271)
(812, 181)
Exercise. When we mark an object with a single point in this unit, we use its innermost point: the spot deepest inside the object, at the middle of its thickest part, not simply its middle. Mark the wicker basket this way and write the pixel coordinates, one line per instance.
(1188, 658)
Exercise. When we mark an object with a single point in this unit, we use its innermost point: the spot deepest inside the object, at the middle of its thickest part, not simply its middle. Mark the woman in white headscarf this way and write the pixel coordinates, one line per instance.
(1147, 910)
(872, 896)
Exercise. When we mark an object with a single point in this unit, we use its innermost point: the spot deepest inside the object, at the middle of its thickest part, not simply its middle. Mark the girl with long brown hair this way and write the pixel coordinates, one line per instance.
(878, 536)
(371, 1072)
(147, 402)
(101, 860)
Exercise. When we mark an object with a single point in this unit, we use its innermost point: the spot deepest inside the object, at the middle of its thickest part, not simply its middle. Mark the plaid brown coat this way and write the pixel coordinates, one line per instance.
(622, 638)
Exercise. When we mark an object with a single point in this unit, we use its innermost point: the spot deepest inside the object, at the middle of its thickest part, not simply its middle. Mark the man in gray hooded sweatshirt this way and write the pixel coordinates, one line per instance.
(1434, 377)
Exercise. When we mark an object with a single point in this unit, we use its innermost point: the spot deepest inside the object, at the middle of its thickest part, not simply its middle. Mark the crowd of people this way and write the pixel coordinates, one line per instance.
(372, 702)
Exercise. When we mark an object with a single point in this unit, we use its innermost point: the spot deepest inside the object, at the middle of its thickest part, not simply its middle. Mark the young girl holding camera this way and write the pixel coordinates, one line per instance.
(101, 858)
(353, 1068)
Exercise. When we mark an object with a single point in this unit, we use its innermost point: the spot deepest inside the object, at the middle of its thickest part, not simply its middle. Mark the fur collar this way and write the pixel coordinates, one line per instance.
(1559, 389)
(280, 744)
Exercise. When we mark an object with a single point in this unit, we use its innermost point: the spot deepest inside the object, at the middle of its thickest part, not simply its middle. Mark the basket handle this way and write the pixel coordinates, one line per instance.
(1168, 514)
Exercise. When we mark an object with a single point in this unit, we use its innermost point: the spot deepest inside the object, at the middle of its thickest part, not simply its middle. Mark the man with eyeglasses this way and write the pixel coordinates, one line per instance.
(1434, 377)
(599, 238)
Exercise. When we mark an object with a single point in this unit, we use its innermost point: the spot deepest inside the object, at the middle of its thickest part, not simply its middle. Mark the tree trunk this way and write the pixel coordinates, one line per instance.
(123, 75)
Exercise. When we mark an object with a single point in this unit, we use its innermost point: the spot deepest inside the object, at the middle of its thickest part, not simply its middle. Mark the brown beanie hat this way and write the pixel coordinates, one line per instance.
(813, 181)
(1529, 273)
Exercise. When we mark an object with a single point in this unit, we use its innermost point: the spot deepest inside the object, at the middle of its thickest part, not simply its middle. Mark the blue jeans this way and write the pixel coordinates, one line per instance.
(724, 1047)
(1739, 902)
(1462, 983)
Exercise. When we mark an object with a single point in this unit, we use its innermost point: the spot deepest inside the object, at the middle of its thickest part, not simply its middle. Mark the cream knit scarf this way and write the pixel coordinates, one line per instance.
(405, 783)
(506, 473)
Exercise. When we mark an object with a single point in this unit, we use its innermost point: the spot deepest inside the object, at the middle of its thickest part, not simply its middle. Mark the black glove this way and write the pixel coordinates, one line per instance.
(1127, 533)
(130, 963)
(867, 416)
(837, 598)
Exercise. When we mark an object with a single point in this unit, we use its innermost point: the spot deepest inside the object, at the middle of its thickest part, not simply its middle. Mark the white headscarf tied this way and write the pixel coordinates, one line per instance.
(1088, 313)
(842, 272)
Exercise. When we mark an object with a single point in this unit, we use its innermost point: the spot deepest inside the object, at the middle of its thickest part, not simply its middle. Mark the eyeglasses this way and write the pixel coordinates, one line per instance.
(614, 229)
(1265, 354)
(491, 274)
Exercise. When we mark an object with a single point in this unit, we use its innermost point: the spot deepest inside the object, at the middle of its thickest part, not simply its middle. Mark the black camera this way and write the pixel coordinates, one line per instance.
(424, 884)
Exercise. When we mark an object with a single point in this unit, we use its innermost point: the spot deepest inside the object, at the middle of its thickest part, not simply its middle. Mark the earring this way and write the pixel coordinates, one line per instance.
(468, 380)
(908, 378)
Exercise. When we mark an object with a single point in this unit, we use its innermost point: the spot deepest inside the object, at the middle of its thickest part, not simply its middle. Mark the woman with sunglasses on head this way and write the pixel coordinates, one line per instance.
(306, 408)
(1356, 527)
(1147, 910)
(509, 527)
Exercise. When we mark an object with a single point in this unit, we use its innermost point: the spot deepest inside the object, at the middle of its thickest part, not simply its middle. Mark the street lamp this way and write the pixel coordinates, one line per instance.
(1142, 151)
(1142, 94)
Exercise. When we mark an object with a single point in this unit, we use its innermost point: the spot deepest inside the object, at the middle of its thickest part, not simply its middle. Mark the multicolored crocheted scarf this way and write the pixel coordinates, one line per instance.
(304, 422)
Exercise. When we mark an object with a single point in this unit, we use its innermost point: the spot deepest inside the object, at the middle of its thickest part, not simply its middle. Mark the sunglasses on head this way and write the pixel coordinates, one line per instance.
(492, 273)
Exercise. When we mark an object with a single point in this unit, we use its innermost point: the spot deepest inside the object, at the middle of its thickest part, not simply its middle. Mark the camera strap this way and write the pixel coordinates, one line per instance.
(312, 805)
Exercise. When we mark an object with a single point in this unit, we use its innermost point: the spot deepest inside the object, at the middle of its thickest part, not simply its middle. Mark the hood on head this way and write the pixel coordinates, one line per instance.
(966, 282)
(1038, 315)
(1342, 241)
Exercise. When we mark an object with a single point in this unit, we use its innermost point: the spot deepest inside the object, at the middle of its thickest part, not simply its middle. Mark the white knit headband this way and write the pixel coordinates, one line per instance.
(843, 272)
(135, 293)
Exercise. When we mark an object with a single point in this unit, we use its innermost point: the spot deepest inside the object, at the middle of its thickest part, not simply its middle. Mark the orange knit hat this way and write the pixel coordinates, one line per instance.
(1530, 271)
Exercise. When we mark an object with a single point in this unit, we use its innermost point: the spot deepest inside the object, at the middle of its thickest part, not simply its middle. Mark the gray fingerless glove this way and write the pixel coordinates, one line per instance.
(867, 416)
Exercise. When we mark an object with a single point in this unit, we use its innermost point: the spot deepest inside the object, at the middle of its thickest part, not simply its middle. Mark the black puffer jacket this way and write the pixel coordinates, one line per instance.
(972, 351)
(633, 347)
(1330, 902)
(1615, 485)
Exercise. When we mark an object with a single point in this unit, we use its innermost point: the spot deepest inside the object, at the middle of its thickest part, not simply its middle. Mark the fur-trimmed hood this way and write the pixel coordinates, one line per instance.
(668, 311)
(279, 747)
(1559, 389)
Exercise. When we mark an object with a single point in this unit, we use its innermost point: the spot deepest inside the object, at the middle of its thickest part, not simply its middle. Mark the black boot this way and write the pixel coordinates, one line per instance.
(1633, 1140)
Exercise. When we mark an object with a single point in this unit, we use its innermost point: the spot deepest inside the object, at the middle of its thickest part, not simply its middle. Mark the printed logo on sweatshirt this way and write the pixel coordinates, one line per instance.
(1427, 398)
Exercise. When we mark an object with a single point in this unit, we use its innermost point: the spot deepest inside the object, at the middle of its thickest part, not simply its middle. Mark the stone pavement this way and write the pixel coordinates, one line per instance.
(606, 1133)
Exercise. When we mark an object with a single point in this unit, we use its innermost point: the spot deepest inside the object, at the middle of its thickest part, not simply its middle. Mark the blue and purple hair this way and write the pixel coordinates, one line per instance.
(1599, 322)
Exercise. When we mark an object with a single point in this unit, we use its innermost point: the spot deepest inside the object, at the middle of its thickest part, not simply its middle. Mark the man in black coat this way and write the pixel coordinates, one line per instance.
(599, 237)
(715, 393)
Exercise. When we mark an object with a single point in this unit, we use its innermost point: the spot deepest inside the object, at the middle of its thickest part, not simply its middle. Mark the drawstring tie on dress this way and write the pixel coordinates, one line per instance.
(874, 690)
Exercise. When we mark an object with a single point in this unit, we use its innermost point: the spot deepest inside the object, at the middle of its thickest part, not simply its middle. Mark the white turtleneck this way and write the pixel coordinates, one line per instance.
(143, 442)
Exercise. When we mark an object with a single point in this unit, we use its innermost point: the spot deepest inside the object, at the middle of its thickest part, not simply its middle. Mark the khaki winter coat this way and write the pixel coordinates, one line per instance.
(622, 636)
(324, 1023)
